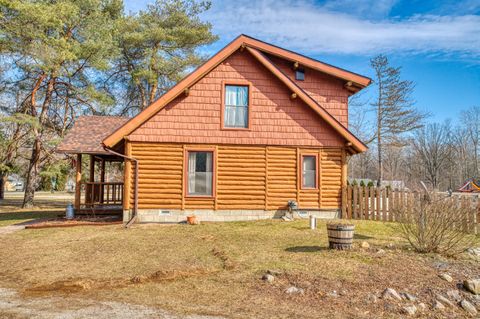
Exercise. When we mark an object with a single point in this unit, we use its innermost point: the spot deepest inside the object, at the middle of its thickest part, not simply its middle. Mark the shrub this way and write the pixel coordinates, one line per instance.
(435, 224)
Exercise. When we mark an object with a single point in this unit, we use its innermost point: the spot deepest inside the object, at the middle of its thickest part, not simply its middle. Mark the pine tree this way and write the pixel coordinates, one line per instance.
(395, 111)
(157, 47)
(56, 46)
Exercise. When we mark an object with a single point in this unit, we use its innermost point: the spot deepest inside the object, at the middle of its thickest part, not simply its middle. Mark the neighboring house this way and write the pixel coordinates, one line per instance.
(252, 128)
(14, 183)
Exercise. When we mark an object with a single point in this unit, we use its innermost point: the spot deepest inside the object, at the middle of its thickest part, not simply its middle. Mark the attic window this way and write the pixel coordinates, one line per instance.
(300, 74)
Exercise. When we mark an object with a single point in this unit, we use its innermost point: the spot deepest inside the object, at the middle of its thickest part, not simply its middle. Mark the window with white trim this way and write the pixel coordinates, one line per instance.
(309, 171)
(200, 173)
(236, 106)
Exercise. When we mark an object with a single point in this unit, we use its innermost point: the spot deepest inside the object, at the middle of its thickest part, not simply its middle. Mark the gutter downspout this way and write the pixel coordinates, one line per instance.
(135, 196)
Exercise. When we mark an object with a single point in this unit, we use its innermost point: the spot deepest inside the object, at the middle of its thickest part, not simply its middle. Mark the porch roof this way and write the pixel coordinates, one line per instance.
(88, 132)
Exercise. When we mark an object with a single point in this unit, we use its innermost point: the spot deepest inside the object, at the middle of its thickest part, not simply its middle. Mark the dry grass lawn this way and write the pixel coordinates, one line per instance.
(216, 269)
(44, 201)
(47, 205)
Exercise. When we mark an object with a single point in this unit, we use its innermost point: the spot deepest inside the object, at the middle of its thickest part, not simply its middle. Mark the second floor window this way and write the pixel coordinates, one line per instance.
(236, 106)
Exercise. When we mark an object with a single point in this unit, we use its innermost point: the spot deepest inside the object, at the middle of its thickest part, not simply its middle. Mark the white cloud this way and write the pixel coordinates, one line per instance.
(364, 8)
(306, 27)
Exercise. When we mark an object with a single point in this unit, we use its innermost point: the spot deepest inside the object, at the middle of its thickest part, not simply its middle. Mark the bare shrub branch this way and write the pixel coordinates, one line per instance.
(435, 223)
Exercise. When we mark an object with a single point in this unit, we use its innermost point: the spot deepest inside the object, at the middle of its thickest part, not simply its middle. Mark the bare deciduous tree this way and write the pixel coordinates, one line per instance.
(431, 145)
(471, 120)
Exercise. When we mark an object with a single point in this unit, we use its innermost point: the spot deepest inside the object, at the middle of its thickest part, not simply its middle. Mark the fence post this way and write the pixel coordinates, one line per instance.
(476, 217)
(354, 202)
(349, 199)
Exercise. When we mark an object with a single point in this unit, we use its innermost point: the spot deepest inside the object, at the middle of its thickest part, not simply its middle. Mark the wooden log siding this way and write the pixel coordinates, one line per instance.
(247, 178)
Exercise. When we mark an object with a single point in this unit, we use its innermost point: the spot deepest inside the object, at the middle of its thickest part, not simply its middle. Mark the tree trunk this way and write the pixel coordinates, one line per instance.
(32, 175)
(33, 166)
(379, 141)
(380, 161)
(2, 186)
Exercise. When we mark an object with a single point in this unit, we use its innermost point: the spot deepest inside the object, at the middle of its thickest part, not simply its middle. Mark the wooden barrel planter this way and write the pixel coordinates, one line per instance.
(340, 236)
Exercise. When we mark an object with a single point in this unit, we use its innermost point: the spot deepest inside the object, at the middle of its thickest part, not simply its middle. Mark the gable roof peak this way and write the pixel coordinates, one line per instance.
(354, 82)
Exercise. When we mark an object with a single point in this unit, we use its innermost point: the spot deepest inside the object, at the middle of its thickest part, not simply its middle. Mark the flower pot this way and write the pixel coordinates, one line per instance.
(340, 236)
(192, 220)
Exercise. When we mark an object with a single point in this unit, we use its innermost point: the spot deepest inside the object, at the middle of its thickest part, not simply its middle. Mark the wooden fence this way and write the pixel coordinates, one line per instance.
(384, 204)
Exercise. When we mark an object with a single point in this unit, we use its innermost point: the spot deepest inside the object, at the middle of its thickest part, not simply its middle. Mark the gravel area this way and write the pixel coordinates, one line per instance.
(13, 306)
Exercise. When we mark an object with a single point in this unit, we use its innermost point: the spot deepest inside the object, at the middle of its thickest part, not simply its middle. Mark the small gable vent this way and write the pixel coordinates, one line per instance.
(300, 74)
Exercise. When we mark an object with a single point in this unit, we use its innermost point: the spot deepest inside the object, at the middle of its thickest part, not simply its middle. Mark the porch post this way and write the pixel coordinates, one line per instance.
(78, 179)
(344, 185)
(89, 191)
(102, 179)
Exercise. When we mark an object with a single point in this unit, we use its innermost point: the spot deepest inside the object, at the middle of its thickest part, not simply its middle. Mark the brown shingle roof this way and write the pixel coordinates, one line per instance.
(88, 132)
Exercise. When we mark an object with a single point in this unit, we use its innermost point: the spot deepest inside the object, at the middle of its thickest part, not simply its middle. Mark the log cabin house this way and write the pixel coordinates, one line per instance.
(252, 128)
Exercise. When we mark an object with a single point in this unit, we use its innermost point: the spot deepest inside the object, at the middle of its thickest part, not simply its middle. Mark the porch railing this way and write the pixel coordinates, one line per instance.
(103, 193)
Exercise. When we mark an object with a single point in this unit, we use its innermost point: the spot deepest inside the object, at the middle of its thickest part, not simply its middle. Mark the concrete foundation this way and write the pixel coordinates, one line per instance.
(178, 216)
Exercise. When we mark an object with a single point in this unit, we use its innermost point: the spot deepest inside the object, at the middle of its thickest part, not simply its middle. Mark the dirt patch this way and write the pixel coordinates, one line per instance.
(228, 264)
(78, 285)
(77, 221)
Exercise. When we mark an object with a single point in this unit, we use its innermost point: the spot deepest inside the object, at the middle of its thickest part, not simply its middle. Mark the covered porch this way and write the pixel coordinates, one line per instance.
(99, 189)
(99, 172)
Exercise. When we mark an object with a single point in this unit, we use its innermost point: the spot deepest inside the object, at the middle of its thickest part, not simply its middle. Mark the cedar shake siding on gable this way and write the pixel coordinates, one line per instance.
(328, 91)
(276, 119)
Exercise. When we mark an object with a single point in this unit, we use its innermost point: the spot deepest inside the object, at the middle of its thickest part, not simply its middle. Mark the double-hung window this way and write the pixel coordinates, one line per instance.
(309, 171)
(236, 106)
(200, 173)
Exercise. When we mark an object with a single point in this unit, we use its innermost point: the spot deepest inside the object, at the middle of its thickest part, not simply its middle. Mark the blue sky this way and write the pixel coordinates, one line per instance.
(437, 43)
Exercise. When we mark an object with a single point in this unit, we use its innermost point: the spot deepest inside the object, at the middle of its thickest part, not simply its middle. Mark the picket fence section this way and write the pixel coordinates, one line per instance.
(383, 204)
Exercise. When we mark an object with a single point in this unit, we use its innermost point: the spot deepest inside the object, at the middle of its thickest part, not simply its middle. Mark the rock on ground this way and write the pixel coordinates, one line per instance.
(446, 277)
(468, 307)
(474, 251)
(391, 294)
(365, 244)
(409, 310)
(408, 296)
(274, 272)
(294, 290)
(437, 305)
(472, 285)
(268, 278)
(444, 300)
(454, 295)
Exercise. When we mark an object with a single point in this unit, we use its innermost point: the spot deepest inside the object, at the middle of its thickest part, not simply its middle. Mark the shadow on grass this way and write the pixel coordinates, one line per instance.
(14, 218)
(360, 236)
(305, 249)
